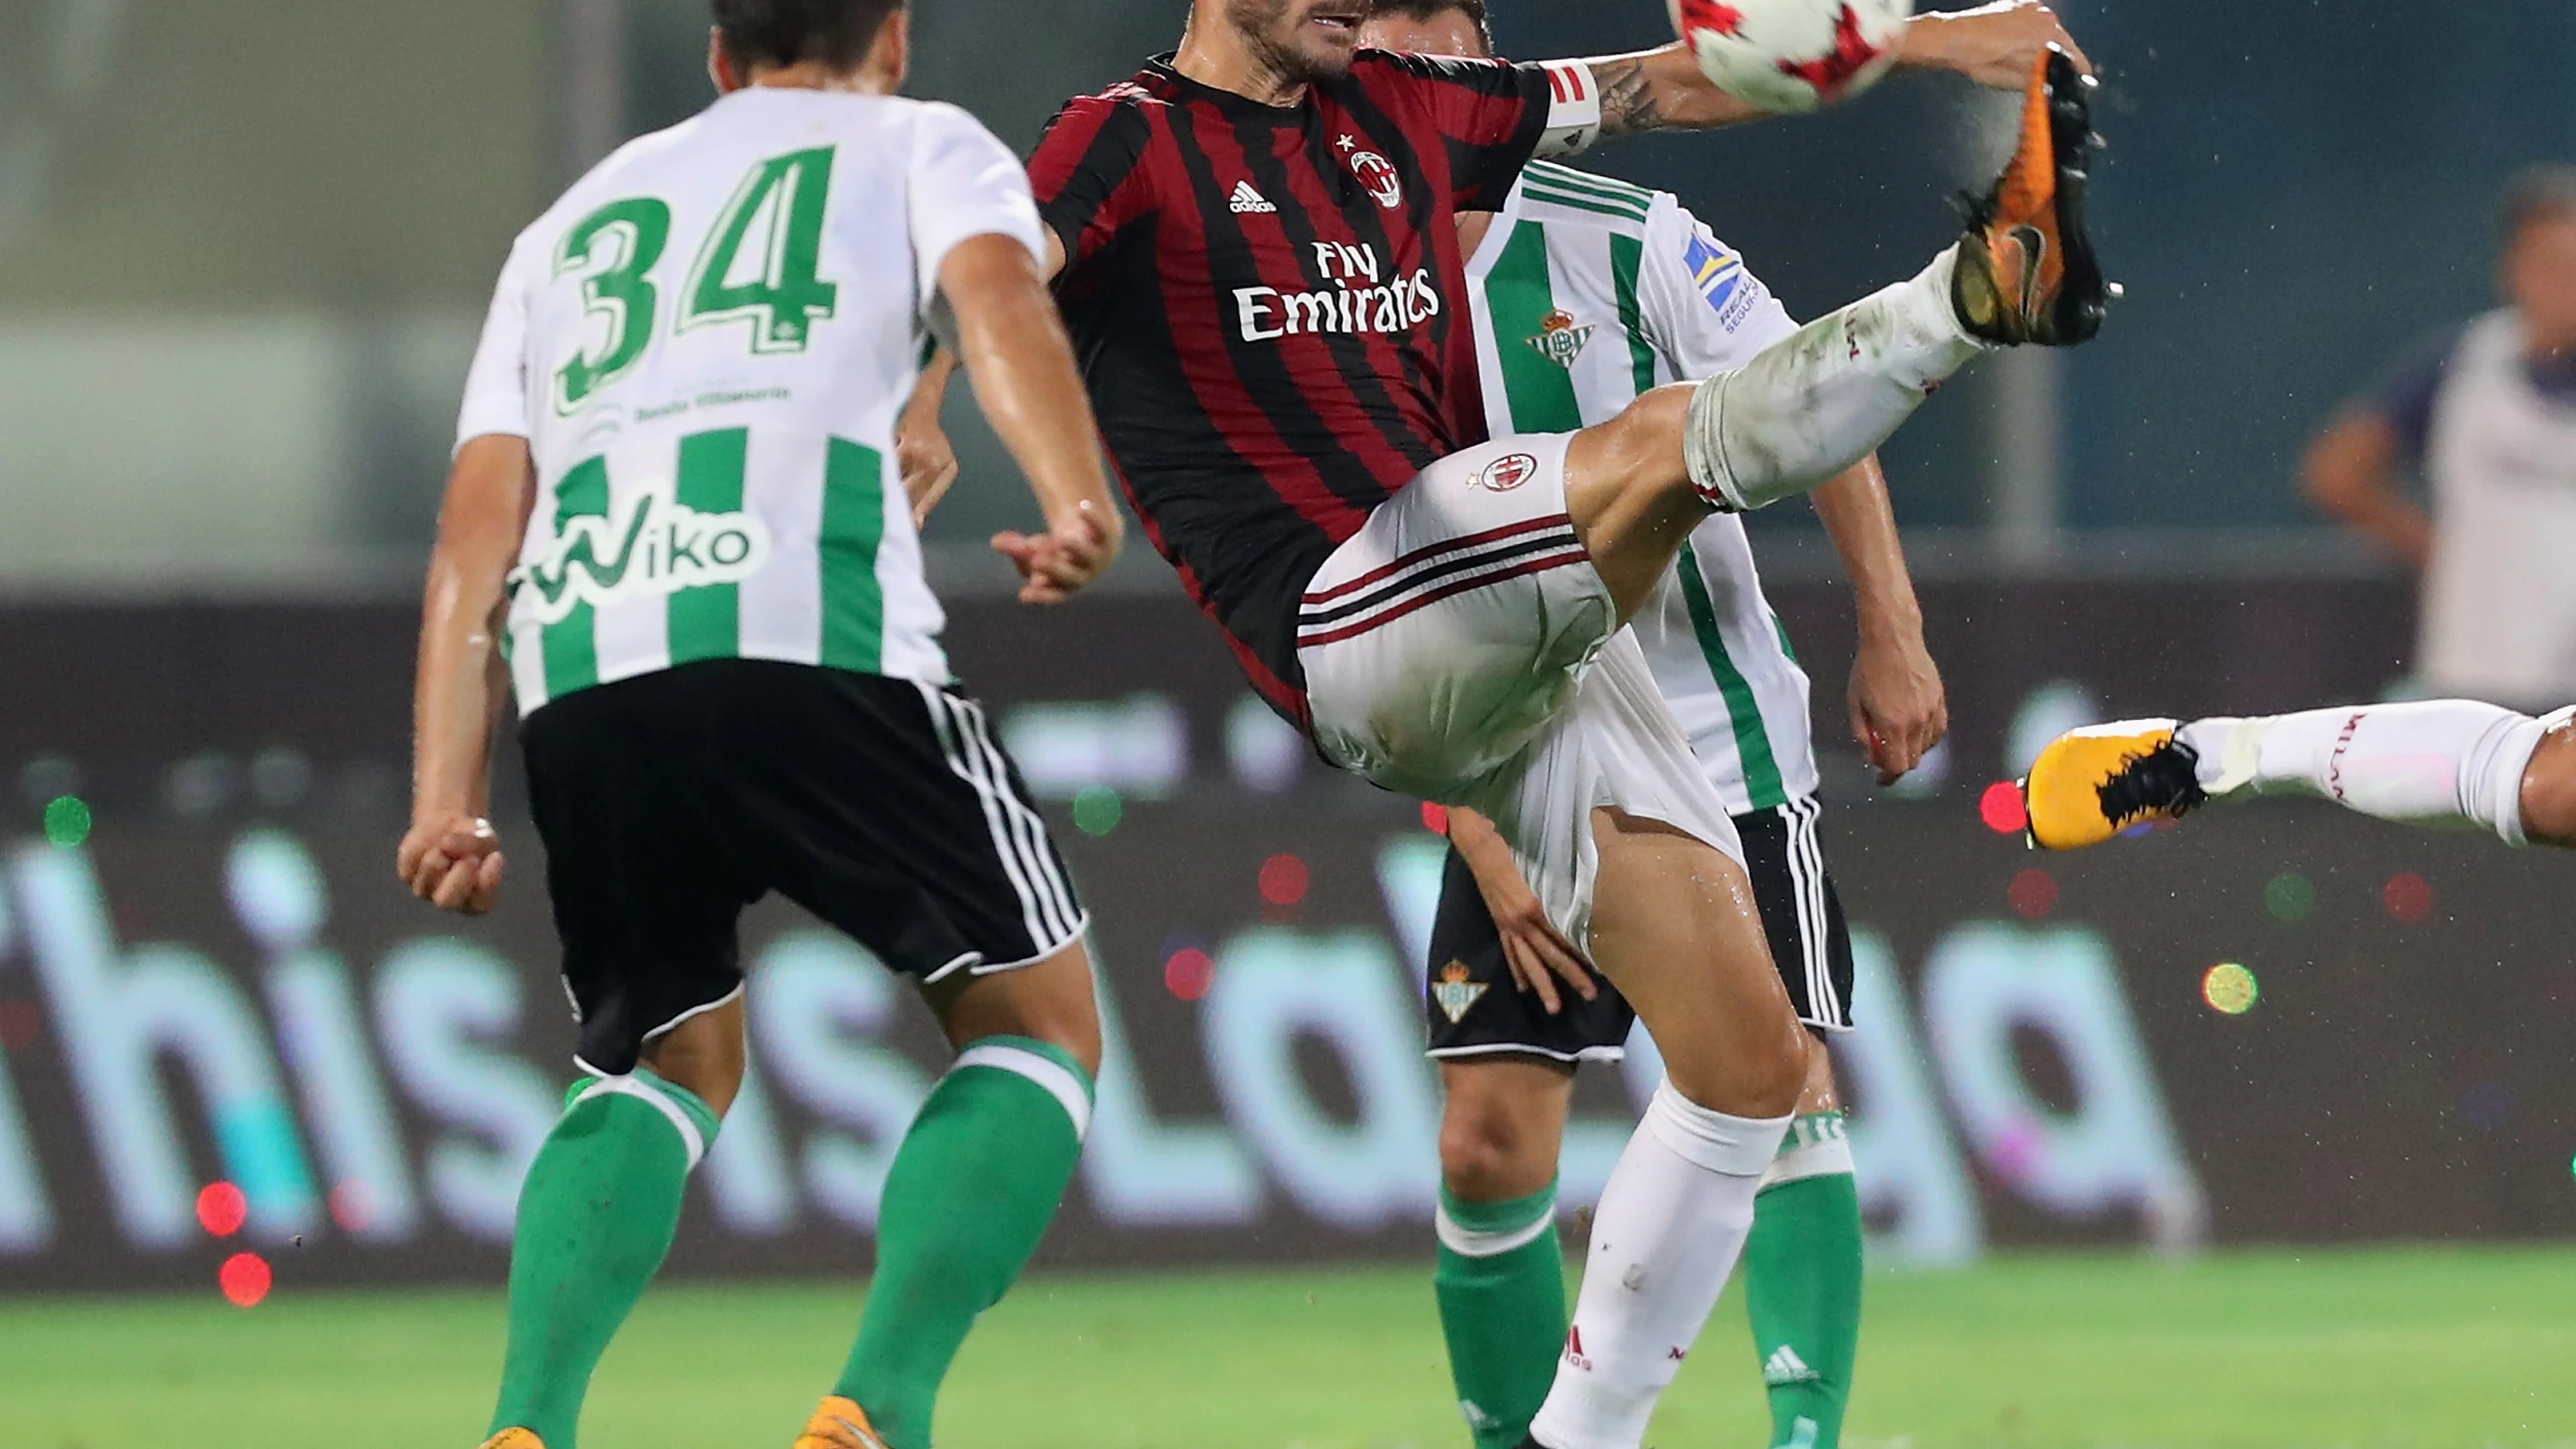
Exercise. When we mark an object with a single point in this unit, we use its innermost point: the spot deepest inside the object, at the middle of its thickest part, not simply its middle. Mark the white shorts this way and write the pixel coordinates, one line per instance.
(1460, 648)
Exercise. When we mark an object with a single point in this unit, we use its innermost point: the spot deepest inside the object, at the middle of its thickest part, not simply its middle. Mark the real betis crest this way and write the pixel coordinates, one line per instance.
(1454, 992)
(1560, 339)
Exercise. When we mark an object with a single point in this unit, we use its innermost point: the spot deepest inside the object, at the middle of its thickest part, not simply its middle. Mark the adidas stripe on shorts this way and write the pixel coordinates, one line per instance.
(1473, 1009)
(1461, 648)
(670, 801)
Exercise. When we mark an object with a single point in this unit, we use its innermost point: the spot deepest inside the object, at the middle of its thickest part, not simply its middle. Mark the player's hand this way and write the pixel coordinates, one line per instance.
(1899, 709)
(453, 861)
(1538, 954)
(928, 465)
(1056, 564)
(1995, 45)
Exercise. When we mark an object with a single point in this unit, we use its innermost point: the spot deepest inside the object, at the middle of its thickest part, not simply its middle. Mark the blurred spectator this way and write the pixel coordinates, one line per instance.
(2487, 412)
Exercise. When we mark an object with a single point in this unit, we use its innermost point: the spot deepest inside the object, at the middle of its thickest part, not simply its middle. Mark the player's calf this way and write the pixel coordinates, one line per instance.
(1502, 1124)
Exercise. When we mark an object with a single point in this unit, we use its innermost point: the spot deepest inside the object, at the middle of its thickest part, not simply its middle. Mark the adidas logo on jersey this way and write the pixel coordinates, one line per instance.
(1785, 1367)
(1247, 200)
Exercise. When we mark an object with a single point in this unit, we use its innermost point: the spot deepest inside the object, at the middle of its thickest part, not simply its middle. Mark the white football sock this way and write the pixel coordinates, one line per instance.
(2435, 762)
(1818, 401)
(1669, 1228)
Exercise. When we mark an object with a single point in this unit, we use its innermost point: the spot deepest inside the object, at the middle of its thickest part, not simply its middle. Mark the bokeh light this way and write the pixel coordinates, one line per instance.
(351, 1207)
(221, 1209)
(1189, 973)
(2487, 1105)
(1097, 809)
(2229, 989)
(2289, 897)
(244, 1279)
(1435, 818)
(2409, 896)
(2002, 809)
(67, 820)
(2033, 893)
(1283, 880)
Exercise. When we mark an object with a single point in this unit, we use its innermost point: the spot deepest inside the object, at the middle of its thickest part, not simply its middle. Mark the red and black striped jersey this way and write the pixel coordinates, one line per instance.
(1268, 304)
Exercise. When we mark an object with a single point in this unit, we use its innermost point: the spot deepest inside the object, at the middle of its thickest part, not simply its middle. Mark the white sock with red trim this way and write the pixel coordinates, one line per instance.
(1818, 401)
(1671, 1223)
(2435, 762)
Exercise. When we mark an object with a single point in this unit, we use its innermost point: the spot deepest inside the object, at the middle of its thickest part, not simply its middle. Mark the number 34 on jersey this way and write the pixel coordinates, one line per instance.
(758, 265)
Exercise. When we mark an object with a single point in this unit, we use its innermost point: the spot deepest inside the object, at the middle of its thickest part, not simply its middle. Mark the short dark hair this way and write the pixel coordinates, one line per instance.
(1433, 9)
(832, 33)
(2543, 193)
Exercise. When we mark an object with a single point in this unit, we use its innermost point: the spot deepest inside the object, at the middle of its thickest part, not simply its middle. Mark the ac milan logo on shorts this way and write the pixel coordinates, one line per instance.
(1378, 175)
(1505, 473)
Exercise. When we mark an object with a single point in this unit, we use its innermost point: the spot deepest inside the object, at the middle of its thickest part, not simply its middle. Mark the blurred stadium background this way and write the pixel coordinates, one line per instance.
(244, 250)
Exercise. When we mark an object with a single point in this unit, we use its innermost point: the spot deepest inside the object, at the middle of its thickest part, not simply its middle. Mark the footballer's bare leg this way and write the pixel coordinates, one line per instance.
(1675, 927)
(2438, 762)
(1813, 404)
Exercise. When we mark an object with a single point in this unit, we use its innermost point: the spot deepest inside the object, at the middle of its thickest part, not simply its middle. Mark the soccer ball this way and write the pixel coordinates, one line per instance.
(1792, 55)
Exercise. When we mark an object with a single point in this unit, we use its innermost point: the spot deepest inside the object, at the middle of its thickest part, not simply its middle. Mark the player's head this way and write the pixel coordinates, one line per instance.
(1428, 27)
(2540, 254)
(822, 40)
(1299, 41)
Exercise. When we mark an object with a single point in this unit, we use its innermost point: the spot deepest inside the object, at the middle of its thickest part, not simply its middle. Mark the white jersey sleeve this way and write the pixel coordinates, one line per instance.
(965, 183)
(496, 386)
(1704, 310)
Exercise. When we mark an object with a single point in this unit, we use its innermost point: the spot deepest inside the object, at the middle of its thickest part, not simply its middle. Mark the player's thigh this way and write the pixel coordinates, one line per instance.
(1502, 1123)
(1628, 491)
(704, 1054)
(1051, 1000)
(1446, 632)
(2549, 785)
(1675, 928)
(1821, 1092)
(888, 808)
(644, 900)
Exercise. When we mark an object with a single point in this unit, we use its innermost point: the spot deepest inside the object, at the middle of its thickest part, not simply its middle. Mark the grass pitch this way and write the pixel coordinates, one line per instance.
(2384, 1349)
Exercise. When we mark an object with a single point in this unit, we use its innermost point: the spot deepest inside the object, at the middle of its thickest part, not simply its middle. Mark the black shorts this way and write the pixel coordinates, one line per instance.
(1474, 1009)
(670, 801)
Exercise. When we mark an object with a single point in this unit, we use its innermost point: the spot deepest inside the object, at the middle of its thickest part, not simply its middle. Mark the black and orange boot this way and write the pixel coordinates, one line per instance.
(2094, 783)
(2027, 273)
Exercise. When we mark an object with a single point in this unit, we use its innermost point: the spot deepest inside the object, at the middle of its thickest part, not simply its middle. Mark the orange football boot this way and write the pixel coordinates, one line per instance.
(839, 1424)
(2026, 268)
(2094, 783)
(514, 1439)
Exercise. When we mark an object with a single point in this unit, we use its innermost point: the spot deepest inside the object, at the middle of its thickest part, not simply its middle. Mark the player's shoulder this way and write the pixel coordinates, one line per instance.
(1563, 192)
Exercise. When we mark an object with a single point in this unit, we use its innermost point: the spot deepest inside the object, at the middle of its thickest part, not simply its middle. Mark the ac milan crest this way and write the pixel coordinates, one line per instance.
(1378, 175)
(1503, 475)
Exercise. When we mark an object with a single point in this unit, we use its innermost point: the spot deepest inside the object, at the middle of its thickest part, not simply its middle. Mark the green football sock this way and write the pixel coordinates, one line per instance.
(1802, 1270)
(1501, 1287)
(596, 1216)
(971, 1191)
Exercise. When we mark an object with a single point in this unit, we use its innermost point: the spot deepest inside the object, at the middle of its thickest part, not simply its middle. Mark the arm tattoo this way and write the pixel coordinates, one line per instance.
(1627, 97)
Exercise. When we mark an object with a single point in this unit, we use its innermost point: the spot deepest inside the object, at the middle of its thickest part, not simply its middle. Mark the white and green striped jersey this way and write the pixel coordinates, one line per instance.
(707, 342)
(1587, 292)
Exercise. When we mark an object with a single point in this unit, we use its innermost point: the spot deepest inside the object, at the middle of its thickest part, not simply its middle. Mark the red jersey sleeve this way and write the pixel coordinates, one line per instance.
(1089, 173)
(1494, 115)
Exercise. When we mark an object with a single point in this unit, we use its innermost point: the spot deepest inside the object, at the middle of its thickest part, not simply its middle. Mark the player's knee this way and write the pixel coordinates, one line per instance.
(1496, 1146)
(2549, 790)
